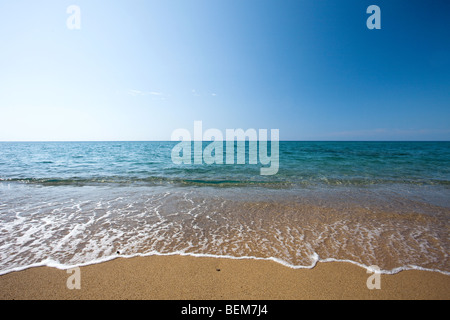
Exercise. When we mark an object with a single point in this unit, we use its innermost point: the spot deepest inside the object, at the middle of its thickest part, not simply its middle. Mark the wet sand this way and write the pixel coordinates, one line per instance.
(193, 278)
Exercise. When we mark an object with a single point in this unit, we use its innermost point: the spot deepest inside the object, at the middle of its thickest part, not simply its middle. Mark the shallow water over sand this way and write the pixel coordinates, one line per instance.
(67, 225)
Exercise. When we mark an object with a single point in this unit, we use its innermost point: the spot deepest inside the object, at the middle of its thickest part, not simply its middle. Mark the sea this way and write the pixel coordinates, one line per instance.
(384, 204)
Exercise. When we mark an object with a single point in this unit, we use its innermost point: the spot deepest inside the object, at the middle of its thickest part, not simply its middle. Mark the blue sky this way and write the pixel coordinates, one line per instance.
(139, 69)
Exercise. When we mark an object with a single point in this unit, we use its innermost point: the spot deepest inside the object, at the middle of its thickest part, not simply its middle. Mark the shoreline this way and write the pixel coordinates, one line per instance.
(52, 264)
(182, 277)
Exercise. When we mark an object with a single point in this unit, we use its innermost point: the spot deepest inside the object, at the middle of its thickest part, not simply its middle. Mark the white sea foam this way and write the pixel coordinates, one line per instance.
(79, 232)
(54, 264)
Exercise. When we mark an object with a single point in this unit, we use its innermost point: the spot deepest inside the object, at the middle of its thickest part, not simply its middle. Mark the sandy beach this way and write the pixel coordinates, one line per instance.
(194, 278)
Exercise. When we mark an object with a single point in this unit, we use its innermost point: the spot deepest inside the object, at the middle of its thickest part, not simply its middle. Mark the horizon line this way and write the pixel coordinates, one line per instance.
(40, 141)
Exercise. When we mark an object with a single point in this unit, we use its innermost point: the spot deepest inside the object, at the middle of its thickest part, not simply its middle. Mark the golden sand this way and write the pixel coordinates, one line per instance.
(182, 277)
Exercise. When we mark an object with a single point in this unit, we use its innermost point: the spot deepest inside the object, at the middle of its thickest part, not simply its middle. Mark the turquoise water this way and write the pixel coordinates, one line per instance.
(370, 203)
(301, 164)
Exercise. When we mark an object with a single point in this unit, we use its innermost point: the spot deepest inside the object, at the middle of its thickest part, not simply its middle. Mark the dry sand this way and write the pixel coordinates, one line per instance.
(182, 277)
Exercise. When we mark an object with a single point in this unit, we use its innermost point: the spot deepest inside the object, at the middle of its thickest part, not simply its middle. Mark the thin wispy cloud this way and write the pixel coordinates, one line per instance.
(195, 93)
(154, 95)
(134, 93)
(359, 133)
(382, 133)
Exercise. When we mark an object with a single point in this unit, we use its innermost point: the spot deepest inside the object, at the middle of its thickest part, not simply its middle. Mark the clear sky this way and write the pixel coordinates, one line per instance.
(139, 69)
